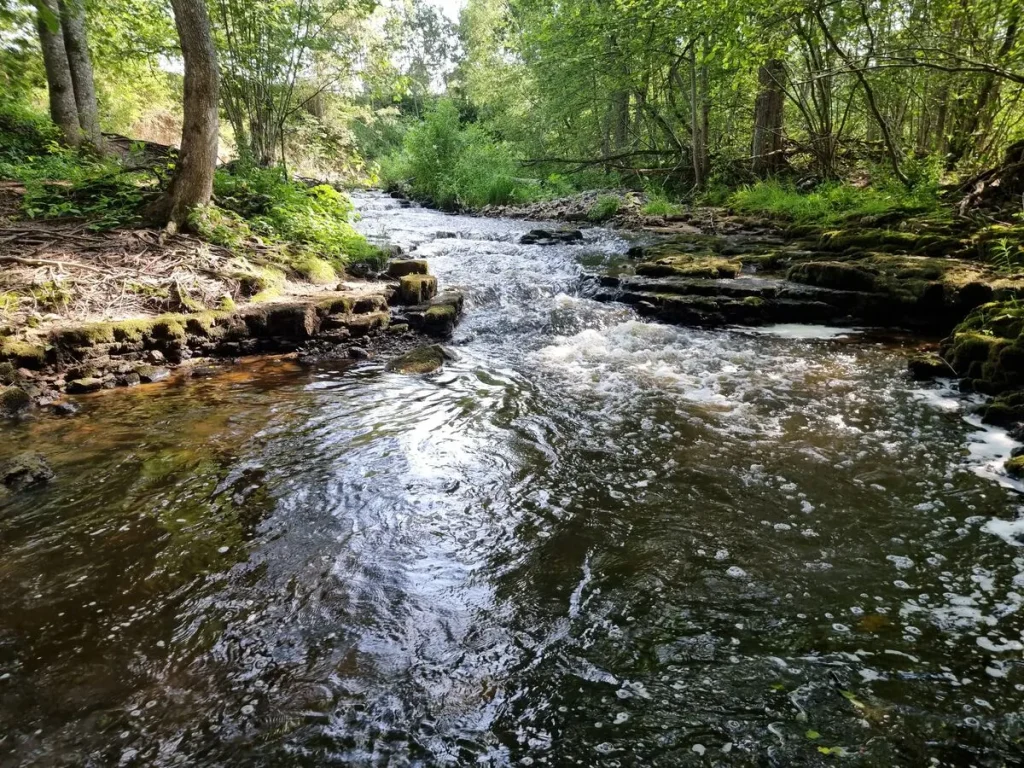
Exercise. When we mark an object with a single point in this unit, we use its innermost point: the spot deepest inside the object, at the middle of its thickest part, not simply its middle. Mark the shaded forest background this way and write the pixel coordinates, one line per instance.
(865, 105)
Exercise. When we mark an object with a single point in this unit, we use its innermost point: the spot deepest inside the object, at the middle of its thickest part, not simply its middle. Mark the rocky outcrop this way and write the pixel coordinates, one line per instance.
(88, 357)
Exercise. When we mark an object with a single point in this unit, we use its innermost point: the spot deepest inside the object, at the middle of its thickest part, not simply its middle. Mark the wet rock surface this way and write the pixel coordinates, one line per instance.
(25, 470)
(86, 358)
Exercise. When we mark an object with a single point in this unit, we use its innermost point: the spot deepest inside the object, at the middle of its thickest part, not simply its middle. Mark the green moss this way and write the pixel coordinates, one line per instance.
(203, 323)
(753, 301)
(169, 328)
(14, 400)
(338, 305)
(8, 373)
(131, 330)
(418, 361)
(1015, 466)
(25, 354)
(266, 284)
(417, 289)
(440, 314)
(833, 274)
(690, 265)
(226, 304)
(315, 269)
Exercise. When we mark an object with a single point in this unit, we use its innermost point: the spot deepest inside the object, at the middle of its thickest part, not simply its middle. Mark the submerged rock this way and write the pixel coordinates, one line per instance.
(25, 470)
(425, 359)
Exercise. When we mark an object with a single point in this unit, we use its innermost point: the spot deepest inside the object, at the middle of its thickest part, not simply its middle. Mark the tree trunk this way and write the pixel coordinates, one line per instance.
(61, 89)
(768, 113)
(192, 183)
(72, 22)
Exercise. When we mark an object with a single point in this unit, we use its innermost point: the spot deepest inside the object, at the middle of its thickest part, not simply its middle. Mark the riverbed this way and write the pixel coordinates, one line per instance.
(590, 540)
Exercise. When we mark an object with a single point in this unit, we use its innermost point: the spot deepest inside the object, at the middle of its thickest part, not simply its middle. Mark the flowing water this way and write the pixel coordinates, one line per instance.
(590, 541)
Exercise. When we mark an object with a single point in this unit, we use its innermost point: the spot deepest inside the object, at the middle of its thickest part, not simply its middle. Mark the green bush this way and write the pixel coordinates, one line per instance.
(454, 166)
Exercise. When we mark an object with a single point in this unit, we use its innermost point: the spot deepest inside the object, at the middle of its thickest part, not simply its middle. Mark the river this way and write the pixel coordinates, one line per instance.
(589, 541)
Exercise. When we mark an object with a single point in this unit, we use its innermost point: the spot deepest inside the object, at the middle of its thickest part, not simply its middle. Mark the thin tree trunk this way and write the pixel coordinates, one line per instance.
(766, 147)
(192, 183)
(869, 96)
(72, 22)
(63, 110)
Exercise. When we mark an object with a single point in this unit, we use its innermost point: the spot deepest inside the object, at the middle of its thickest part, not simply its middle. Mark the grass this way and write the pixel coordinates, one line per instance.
(831, 203)
(605, 208)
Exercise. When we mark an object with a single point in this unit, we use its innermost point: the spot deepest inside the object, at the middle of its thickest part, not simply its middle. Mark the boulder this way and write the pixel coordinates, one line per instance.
(421, 360)
(25, 470)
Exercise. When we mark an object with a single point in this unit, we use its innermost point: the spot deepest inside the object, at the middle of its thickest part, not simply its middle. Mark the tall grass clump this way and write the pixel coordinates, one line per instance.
(832, 202)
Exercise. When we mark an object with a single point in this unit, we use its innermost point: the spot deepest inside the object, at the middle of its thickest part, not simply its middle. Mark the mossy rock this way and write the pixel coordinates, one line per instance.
(834, 274)
(966, 348)
(24, 354)
(338, 305)
(427, 359)
(1015, 467)
(928, 365)
(8, 373)
(402, 267)
(416, 289)
(14, 400)
(690, 265)
(168, 329)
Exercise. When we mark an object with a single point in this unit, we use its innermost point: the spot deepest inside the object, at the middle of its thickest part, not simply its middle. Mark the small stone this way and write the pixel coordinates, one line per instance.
(358, 353)
(81, 386)
(155, 356)
(25, 470)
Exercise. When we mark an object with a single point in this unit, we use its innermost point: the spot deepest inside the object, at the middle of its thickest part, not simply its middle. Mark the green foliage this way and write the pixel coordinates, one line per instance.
(261, 201)
(60, 181)
(658, 204)
(454, 166)
(830, 203)
(605, 208)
